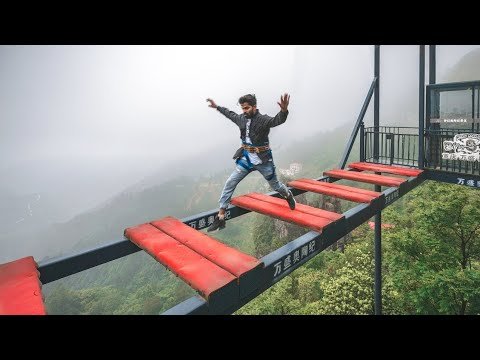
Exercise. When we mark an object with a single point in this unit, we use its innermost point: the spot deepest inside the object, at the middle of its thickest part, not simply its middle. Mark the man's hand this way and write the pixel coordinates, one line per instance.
(284, 100)
(212, 103)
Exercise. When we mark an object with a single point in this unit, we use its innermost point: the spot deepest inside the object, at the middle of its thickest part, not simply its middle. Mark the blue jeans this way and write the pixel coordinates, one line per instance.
(268, 172)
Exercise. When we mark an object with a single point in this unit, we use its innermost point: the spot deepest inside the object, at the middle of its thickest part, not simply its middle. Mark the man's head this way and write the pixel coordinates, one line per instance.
(249, 104)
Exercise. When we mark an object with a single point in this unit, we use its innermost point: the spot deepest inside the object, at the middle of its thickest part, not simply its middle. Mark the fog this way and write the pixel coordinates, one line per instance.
(99, 118)
(78, 124)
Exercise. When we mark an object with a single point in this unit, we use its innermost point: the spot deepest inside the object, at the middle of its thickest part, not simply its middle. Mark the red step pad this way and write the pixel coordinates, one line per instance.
(385, 169)
(228, 258)
(362, 177)
(20, 288)
(200, 273)
(307, 216)
(298, 207)
(340, 191)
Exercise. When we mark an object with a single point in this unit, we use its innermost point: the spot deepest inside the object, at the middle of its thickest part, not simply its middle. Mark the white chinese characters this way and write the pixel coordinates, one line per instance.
(391, 197)
(468, 182)
(293, 258)
(204, 222)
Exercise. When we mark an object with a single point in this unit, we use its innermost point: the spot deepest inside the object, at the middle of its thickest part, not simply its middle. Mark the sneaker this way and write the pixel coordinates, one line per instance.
(291, 200)
(217, 224)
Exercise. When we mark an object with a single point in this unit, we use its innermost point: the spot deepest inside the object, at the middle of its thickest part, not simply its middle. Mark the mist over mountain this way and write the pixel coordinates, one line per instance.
(30, 221)
(177, 194)
(89, 199)
(467, 69)
(399, 78)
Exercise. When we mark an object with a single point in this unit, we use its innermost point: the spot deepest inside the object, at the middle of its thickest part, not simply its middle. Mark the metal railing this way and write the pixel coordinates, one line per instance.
(398, 145)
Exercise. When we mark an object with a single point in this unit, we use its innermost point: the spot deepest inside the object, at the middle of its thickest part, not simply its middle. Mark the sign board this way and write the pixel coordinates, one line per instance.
(463, 147)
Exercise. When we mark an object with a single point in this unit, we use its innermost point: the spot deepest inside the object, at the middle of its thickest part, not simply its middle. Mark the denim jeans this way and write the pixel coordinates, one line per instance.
(268, 172)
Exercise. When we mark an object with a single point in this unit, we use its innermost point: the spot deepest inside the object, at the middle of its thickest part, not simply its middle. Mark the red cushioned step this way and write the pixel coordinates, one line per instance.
(20, 288)
(362, 177)
(298, 207)
(303, 215)
(339, 191)
(397, 170)
(200, 273)
(228, 258)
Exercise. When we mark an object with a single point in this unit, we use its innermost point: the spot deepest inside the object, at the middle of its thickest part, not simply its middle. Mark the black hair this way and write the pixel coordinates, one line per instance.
(250, 99)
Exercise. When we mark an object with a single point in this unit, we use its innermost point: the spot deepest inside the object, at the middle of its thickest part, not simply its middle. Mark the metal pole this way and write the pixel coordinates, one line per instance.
(427, 150)
(430, 102)
(378, 216)
(478, 102)
(432, 67)
(421, 109)
(473, 108)
(378, 260)
(362, 142)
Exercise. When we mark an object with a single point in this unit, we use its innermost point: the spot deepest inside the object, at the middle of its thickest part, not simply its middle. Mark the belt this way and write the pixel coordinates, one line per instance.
(255, 149)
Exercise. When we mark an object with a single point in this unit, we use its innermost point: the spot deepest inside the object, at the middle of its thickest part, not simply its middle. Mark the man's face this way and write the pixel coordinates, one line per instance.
(248, 109)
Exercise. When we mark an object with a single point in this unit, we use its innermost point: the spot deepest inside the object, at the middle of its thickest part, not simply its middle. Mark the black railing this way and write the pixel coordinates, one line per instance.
(397, 145)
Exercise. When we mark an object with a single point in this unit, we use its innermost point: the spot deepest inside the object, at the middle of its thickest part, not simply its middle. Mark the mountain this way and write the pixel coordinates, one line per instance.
(467, 69)
(23, 216)
(30, 222)
(399, 98)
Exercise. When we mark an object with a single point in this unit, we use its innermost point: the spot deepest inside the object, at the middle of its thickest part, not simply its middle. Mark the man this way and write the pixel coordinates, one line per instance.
(255, 153)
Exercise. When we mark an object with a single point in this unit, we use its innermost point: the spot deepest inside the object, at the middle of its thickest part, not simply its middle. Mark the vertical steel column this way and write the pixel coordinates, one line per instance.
(427, 150)
(432, 67)
(421, 108)
(473, 108)
(378, 216)
(431, 103)
(362, 142)
(478, 108)
(478, 102)
(378, 260)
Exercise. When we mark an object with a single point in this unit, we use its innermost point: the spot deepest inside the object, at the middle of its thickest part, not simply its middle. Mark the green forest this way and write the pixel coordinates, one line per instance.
(430, 263)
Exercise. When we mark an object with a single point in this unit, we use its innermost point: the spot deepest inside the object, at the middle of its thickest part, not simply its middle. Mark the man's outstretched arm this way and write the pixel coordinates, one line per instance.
(281, 117)
(229, 114)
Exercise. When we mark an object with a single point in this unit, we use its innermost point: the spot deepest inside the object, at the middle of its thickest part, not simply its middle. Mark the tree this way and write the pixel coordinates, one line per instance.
(350, 291)
(433, 251)
(63, 301)
(278, 300)
(263, 234)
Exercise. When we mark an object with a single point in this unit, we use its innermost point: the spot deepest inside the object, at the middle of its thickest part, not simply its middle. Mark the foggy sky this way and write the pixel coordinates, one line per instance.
(67, 109)
(88, 121)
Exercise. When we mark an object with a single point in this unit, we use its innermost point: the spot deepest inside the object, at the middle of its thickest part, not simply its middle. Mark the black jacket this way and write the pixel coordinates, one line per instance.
(259, 127)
